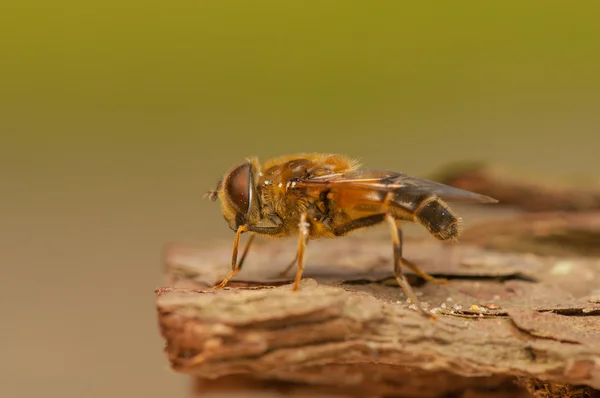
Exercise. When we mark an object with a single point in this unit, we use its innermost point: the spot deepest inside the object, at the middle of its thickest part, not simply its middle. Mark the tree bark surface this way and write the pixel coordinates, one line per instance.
(519, 315)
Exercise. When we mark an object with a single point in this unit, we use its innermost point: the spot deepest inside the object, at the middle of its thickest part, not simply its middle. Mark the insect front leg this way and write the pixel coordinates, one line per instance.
(396, 233)
(303, 227)
(235, 267)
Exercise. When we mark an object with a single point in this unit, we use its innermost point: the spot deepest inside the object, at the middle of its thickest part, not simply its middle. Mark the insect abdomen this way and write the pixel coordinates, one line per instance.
(436, 216)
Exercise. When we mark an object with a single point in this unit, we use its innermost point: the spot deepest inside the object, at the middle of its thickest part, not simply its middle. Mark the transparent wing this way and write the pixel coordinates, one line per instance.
(392, 181)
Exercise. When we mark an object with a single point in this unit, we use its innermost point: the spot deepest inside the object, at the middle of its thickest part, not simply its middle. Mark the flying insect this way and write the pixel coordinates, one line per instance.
(316, 195)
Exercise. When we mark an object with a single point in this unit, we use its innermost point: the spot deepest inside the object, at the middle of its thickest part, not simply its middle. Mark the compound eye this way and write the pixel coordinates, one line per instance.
(238, 187)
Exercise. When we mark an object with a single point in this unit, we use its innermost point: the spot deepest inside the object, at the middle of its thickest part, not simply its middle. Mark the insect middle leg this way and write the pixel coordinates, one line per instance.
(303, 227)
(289, 267)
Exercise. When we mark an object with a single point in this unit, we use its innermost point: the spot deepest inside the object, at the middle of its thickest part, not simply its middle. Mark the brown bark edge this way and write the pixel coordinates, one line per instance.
(518, 323)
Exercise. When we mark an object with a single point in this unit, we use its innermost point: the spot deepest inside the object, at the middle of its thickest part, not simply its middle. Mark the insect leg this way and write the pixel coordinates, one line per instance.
(342, 230)
(271, 231)
(235, 268)
(303, 227)
(423, 274)
(396, 233)
(288, 268)
(245, 252)
(362, 222)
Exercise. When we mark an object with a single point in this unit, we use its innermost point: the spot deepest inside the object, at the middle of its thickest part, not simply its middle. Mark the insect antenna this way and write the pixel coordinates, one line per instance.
(213, 194)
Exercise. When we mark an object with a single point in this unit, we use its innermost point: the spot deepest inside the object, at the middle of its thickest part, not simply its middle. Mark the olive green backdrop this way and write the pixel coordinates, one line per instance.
(116, 117)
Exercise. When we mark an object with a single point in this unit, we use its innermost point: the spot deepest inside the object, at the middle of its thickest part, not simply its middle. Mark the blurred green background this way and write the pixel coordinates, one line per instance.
(116, 117)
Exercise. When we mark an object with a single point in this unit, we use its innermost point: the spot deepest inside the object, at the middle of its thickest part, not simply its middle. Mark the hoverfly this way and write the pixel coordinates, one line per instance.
(315, 195)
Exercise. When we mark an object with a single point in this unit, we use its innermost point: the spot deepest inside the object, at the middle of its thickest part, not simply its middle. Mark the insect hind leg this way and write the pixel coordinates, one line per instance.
(415, 268)
(358, 223)
(396, 233)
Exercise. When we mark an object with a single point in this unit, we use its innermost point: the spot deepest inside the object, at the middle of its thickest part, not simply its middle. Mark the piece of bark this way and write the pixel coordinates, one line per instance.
(504, 317)
(360, 343)
(547, 233)
(512, 188)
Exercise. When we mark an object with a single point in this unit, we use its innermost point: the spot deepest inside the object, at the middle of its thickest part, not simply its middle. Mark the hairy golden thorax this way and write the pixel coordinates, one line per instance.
(280, 193)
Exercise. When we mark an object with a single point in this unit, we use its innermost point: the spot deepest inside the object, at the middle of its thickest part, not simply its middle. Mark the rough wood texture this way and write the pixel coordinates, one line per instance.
(511, 322)
(547, 233)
